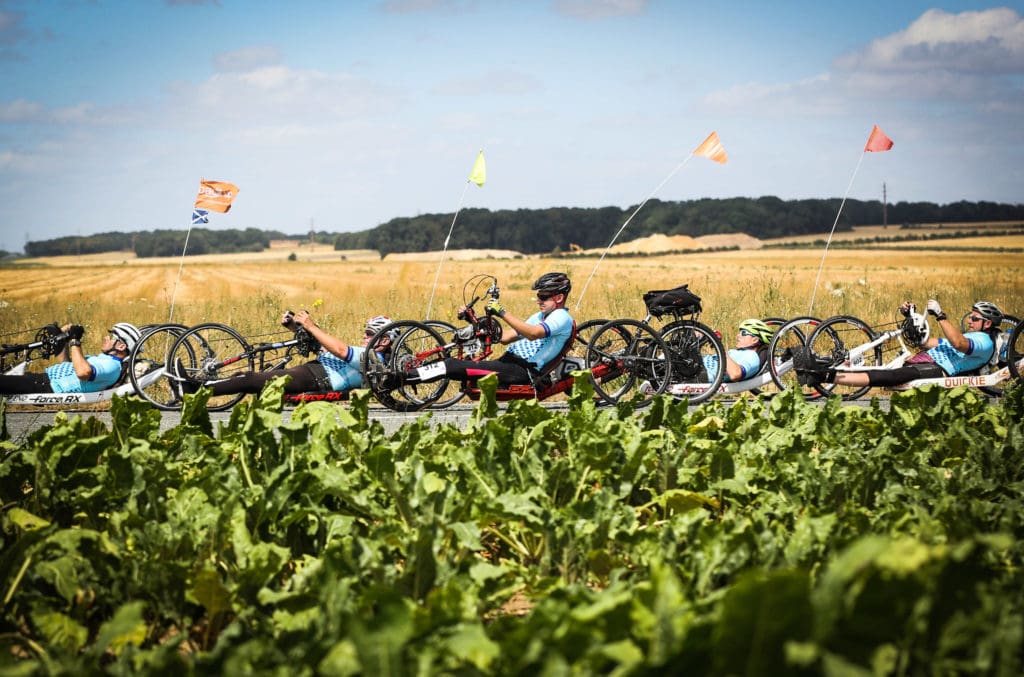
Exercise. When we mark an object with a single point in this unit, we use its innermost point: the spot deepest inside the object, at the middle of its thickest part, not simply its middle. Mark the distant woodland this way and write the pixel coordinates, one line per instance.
(540, 231)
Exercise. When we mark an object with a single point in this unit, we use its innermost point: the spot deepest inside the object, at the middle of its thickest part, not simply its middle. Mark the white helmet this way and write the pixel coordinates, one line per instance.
(128, 333)
(375, 324)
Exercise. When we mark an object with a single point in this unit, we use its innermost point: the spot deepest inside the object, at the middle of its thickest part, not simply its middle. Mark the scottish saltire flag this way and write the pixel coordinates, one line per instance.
(200, 216)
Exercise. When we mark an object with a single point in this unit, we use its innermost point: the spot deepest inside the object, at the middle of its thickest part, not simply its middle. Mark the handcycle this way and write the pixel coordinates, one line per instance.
(212, 352)
(138, 372)
(855, 346)
(419, 345)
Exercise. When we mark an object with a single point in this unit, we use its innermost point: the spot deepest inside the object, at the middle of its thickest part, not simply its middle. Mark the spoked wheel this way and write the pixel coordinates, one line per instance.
(210, 353)
(397, 349)
(774, 323)
(453, 392)
(584, 333)
(791, 335)
(147, 366)
(1007, 326)
(627, 354)
(698, 360)
(835, 338)
(1015, 351)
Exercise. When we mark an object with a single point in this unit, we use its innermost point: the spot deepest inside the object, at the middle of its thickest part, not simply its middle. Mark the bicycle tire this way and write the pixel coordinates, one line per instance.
(834, 338)
(696, 353)
(213, 352)
(151, 353)
(1015, 351)
(774, 323)
(453, 393)
(1007, 326)
(791, 335)
(624, 354)
(398, 348)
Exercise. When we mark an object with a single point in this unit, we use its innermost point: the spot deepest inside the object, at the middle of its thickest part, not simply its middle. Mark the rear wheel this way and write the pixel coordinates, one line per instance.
(835, 338)
(397, 349)
(791, 335)
(624, 355)
(147, 364)
(212, 352)
(698, 360)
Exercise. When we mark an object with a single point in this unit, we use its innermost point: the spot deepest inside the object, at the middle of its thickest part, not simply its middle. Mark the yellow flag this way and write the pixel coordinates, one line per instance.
(479, 173)
(712, 149)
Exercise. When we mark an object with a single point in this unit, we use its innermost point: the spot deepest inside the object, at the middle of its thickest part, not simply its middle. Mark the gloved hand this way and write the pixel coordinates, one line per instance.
(935, 309)
(494, 307)
(905, 309)
(76, 331)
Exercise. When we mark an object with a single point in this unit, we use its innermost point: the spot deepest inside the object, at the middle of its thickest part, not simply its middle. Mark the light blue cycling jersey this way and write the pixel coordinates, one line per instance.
(954, 362)
(343, 373)
(106, 369)
(748, 360)
(557, 330)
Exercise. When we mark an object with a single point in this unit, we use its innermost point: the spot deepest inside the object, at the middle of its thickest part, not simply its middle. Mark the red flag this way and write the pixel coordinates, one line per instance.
(216, 195)
(878, 141)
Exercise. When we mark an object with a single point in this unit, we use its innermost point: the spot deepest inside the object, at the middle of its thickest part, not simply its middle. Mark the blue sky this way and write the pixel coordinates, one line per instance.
(343, 115)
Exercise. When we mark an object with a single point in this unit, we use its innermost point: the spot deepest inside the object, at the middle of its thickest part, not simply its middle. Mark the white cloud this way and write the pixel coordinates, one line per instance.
(598, 9)
(20, 110)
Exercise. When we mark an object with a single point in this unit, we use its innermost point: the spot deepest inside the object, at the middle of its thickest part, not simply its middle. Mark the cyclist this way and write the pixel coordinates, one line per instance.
(78, 372)
(336, 367)
(745, 360)
(955, 354)
(533, 342)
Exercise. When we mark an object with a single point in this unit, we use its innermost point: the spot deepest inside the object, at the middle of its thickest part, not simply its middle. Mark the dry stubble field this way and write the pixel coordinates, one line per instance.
(343, 293)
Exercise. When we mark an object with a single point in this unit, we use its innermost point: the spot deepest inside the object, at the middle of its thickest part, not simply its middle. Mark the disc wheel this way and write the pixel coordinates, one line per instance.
(624, 355)
(397, 349)
(698, 360)
(211, 353)
(835, 338)
(791, 335)
(147, 364)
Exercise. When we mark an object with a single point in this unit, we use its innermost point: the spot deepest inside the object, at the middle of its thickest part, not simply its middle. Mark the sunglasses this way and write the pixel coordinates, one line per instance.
(368, 333)
(544, 295)
(744, 332)
(974, 318)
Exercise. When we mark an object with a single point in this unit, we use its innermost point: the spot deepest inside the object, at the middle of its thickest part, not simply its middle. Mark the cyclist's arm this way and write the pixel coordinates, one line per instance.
(953, 335)
(518, 329)
(734, 370)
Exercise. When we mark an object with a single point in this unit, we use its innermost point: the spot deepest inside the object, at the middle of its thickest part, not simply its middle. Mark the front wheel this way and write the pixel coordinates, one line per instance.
(209, 353)
(395, 350)
(698, 360)
(842, 338)
(787, 338)
(624, 354)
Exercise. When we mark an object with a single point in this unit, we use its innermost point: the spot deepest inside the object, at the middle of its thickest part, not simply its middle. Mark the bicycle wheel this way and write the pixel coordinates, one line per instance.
(1007, 326)
(774, 323)
(453, 393)
(698, 360)
(791, 335)
(835, 338)
(397, 349)
(1015, 351)
(627, 353)
(211, 353)
(147, 364)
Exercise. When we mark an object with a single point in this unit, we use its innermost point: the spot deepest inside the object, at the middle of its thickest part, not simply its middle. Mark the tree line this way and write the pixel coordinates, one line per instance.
(555, 229)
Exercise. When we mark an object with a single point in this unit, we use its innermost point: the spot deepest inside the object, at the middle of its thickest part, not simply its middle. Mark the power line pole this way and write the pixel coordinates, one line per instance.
(885, 213)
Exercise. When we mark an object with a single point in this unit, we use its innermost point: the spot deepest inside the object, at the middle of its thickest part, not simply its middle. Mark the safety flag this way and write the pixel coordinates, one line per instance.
(712, 149)
(479, 173)
(878, 141)
(200, 216)
(216, 195)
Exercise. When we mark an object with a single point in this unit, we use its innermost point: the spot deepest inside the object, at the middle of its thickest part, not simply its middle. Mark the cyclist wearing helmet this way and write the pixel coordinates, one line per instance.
(336, 368)
(533, 342)
(957, 353)
(744, 361)
(78, 372)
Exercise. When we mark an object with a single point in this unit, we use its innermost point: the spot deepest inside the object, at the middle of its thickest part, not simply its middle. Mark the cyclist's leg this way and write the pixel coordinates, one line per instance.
(25, 384)
(508, 372)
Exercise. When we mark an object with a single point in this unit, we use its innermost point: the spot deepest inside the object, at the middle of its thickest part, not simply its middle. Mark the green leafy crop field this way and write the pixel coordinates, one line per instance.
(761, 538)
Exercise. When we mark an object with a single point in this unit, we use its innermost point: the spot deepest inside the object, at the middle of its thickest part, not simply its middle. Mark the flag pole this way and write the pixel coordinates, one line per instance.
(181, 265)
(579, 300)
(814, 290)
(444, 250)
(477, 175)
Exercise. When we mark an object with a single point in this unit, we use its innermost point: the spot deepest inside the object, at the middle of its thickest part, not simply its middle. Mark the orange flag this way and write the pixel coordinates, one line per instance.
(712, 149)
(216, 195)
(878, 141)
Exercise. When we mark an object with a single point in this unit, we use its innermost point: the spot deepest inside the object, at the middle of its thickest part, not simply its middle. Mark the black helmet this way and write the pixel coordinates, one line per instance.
(556, 283)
